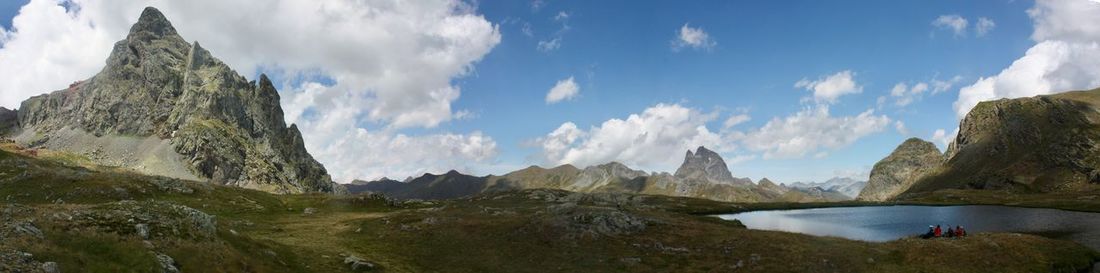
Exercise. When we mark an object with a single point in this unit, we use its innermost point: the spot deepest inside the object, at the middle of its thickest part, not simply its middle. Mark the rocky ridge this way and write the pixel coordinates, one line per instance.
(191, 116)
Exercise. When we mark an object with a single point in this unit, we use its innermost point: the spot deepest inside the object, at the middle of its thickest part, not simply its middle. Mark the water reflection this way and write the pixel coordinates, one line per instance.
(885, 223)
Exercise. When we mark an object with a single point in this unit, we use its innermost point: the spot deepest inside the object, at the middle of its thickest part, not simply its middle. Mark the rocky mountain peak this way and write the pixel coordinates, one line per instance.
(909, 162)
(152, 22)
(706, 165)
(201, 120)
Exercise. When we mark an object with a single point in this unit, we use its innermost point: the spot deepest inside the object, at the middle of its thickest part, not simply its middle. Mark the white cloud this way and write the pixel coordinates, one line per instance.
(695, 38)
(828, 89)
(939, 86)
(984, 26)
(900, 127)
(1066, 56)
(537, 5)
(561, 16)
(953, 22)
(905, 95)
(554, 41)
(809, 131)
(941, 137)
(386, 62)
(641, 140)
(565, 89)
(734, 120)
(550, 45)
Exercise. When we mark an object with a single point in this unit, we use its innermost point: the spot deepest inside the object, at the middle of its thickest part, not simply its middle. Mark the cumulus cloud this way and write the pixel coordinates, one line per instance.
(386, 63)
(694, 38)
(827, 89)
(645, 140)
(952, 22)
(565, 89)
(809, 131)
(984, 26)
(1066, 56)
(941, 137)
(641, 140)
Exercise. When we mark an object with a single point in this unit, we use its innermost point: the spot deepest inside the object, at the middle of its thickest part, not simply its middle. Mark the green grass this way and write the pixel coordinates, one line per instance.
(500, 232)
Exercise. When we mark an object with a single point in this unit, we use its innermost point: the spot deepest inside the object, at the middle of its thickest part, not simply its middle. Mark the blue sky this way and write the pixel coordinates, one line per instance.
(619, 52)
(433, 85)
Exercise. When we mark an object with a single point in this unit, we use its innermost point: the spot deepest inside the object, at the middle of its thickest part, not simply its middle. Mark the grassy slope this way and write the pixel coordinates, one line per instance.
(506, 232)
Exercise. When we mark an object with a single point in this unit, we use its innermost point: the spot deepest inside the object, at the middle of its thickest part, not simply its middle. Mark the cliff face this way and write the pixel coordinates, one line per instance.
(1037, 144)
(909, 162)
(156, 87)
(9, 121)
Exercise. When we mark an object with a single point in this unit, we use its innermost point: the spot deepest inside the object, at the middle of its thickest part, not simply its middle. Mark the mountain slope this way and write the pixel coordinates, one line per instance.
(1037, 144)
(163, 106)
(909, 162)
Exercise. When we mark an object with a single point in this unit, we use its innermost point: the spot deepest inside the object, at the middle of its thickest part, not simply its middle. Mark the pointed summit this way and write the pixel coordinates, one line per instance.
(706, 165)
(154, 22)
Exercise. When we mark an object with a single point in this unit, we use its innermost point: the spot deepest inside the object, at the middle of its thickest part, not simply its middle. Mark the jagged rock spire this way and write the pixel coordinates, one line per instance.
(154, 22)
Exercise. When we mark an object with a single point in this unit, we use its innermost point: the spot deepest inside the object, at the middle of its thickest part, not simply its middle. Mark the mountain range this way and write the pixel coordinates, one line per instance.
(703, 174)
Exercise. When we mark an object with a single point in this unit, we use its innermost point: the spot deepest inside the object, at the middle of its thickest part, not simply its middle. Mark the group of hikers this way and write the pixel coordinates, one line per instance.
(937, 232)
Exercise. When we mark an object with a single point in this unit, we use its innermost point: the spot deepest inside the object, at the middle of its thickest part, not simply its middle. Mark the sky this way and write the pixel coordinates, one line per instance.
(788, 90)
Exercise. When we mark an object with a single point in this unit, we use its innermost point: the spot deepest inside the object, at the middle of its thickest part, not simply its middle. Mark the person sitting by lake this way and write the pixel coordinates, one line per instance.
(938, 232)
(959, 231)
(950, 232)
(931, 233)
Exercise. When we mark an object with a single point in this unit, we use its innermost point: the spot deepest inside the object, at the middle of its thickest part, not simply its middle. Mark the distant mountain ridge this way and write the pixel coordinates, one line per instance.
(702, 175)
(163, 106)
(844, 185)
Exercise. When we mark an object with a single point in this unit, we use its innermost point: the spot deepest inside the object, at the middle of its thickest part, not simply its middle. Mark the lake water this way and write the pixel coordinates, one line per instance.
(885, 223)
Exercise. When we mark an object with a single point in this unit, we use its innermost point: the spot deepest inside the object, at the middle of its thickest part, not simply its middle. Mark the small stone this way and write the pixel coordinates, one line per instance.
(142, 230)
(357, 263)
(50, 267)
(308, 211)
(167, 264)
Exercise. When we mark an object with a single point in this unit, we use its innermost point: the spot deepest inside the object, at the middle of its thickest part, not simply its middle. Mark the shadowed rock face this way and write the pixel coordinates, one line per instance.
(227, 129)
(9, 121)
(909, 162)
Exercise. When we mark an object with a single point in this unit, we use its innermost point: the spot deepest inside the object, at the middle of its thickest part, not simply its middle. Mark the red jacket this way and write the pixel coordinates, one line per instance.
(938, 232)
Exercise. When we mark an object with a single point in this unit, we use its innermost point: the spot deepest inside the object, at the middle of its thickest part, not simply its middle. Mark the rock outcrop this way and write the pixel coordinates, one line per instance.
(909, 162)
(199, 114)
(1037, 144)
